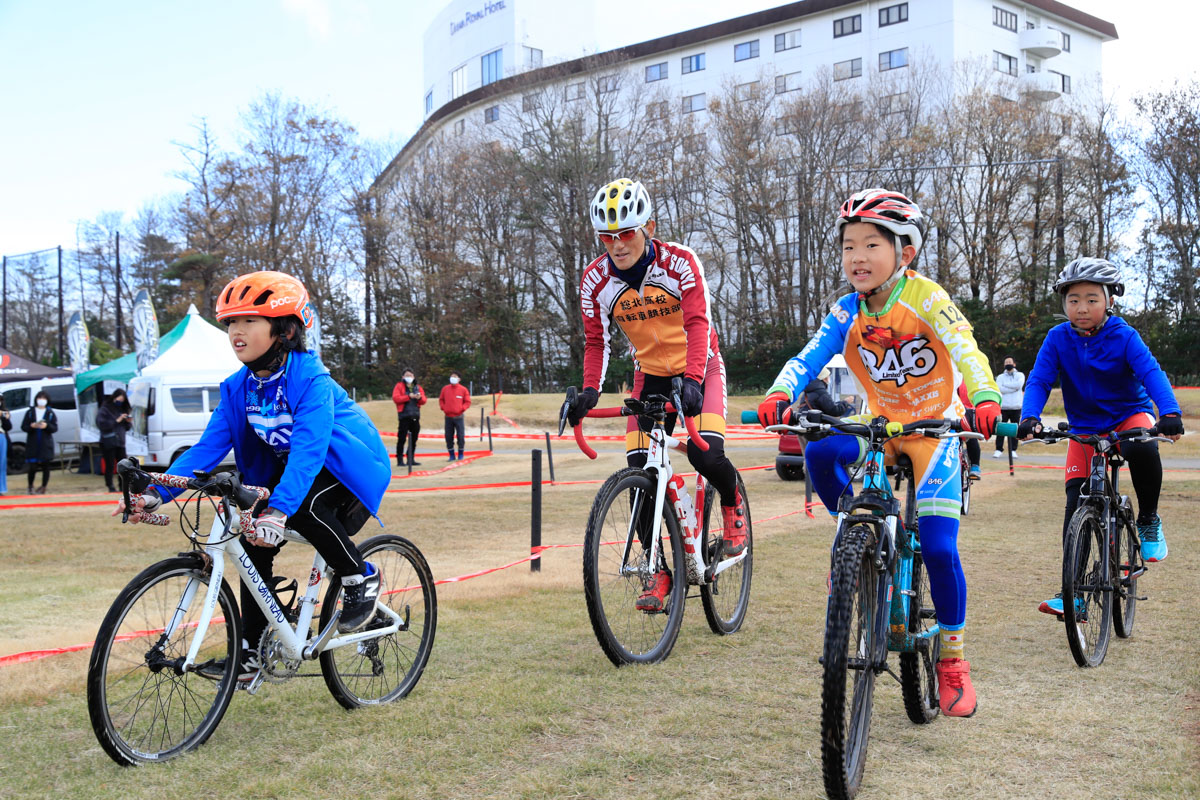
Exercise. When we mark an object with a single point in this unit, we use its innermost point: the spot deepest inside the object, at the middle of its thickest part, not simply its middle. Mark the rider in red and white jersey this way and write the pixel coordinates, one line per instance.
(656, 293)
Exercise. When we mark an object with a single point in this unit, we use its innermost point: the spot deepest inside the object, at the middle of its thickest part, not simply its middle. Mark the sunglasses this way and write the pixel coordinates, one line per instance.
(624, 236)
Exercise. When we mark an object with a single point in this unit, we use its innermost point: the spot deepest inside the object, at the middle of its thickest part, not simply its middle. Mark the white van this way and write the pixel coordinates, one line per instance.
(170, 411)
(18, 397)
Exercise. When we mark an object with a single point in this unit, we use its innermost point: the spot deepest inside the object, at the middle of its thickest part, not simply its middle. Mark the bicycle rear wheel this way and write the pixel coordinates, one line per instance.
(1087, 590)
(918, 678)
(142, 708)
(848, 683)
(1128, 564)
(378, 671)
(726, 598)
(612, 582)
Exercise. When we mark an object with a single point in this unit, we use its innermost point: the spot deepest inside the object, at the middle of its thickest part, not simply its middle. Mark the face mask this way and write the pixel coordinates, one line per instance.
(408, 379)
(454, 379)
(1009, 367)
(41, 403)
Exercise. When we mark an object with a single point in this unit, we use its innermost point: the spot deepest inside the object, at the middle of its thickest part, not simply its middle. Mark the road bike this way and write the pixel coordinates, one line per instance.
(165, 663)
(1102, 554)
(644, 521)
(879, 598)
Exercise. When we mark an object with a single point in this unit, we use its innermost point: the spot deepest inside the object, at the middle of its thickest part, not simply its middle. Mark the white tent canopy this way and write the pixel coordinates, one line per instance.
(203, 349)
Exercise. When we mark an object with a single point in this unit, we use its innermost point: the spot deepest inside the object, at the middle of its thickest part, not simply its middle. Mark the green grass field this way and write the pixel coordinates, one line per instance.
(519, 702)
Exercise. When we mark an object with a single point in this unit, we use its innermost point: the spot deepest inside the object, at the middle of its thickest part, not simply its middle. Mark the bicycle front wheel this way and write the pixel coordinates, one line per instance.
(617, 570)
(381, 670)
(1128, 564)
(851, 630)
(726, 598)
(918, 679)
(1087, 589)
(143, 708)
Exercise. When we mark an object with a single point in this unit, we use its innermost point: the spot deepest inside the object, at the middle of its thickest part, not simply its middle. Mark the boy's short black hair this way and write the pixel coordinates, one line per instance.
(290, 331)
(897, 241)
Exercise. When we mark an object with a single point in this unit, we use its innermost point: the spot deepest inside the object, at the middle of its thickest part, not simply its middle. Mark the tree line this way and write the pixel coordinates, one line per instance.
(469, 255)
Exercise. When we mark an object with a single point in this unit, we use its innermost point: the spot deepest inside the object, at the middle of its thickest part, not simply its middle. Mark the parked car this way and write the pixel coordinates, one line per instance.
(789, 461)
(18, 396)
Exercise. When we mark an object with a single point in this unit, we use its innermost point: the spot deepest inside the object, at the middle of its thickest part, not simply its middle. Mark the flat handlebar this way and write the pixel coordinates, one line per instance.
(220, 484)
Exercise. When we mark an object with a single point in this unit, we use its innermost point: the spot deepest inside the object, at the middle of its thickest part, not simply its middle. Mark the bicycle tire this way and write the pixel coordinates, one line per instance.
(611, 587)
(851, 625)
(1127, 563)
(727, 597)
(918, 677)
(140, 709)
(1087, 601)
(382, 670)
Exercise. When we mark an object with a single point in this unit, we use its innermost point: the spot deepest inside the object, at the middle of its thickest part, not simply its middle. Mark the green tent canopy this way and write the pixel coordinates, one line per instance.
(125, 367)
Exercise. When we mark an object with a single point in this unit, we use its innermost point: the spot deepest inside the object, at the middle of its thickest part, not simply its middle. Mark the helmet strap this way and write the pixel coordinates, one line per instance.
(271, 360)
(887, 285)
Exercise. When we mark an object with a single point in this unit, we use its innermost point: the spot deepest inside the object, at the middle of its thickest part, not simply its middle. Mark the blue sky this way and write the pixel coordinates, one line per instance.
(95, 93)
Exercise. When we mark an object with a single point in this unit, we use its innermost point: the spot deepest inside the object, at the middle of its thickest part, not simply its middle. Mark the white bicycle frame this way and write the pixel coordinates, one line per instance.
(658, 461)
(295, 647)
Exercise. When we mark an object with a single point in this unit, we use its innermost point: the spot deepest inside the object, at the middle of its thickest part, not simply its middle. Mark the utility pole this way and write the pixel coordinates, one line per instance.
(117, 292)
(60, 308)
(4, 335)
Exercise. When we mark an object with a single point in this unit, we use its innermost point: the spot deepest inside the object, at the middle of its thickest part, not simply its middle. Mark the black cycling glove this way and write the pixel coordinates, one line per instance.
(1170, 425)
(585, 401)
(692, 397)
(1028, 427)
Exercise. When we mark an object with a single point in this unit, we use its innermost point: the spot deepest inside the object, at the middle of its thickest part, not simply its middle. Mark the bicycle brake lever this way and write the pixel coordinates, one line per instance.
(572, 395)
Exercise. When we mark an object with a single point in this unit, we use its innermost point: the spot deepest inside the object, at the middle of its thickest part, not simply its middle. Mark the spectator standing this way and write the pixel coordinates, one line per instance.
(816, 395)
(113, 420)
(408, 397)
(40, 424)
(454, 400)
(5, 427)
(1012, 392)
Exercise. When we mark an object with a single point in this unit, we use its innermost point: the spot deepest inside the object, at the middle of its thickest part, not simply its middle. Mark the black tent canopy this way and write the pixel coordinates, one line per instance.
(15, 368)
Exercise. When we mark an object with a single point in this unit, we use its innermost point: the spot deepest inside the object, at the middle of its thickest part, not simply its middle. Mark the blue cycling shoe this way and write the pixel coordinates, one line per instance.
(1154, 544)
(1055, 606)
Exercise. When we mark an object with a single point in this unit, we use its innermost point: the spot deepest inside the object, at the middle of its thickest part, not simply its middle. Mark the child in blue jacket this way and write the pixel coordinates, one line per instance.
(1108, 378)
(294, 430)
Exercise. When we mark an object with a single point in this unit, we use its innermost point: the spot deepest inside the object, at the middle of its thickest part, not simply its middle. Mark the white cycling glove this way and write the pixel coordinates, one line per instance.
(268, 528)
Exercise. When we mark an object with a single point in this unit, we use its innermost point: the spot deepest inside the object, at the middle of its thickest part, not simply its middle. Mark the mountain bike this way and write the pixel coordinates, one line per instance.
(1102, 554)
(879, 598)
(165, 663)
(644, 521)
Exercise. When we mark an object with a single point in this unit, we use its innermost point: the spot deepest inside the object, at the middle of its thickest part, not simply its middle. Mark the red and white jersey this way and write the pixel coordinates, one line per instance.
(668, 322)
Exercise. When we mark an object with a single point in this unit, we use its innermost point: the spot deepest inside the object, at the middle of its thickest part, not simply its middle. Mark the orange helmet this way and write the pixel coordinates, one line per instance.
(265, 294)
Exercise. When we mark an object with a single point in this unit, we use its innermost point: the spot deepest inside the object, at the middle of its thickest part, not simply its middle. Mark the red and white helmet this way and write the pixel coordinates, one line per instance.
(892, 210)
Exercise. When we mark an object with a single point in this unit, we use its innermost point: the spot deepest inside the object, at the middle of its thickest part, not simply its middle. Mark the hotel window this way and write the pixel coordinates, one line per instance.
(893, 14)
(428, 102)
(529, 139)
(745, 51)
(893, 59)
(656, 72)
(657, 110)
(787, 41)
(458, 82)
(573, 91)
(693, 63)
(1066, 42)
(693, 102)
(1003, 63)
(745, 91)
(695, 143)
(533, 57)
(895, 103)
(847, 26)
(491, 67)
(787, 83)
(491, 114)
(607, 83)
(847, 69)
(460, 127)
(531, 101)
(1004, 19)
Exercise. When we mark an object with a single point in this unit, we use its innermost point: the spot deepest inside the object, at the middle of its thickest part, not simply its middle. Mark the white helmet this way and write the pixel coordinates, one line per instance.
(619, 205)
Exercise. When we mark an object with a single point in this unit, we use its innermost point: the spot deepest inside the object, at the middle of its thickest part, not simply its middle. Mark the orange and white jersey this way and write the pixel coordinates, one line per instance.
(667, 319)
(909, 358)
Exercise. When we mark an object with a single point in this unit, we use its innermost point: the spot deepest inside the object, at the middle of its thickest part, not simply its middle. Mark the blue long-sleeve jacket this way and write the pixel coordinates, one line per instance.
(328, 430)
(1106, 378)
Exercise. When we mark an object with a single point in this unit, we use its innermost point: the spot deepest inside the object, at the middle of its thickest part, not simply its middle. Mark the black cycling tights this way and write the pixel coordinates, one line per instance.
(1145, 472)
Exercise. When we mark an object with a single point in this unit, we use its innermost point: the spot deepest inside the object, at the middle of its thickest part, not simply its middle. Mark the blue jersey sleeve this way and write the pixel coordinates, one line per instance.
(827, 342)
(1145, 366)
(1042, 377)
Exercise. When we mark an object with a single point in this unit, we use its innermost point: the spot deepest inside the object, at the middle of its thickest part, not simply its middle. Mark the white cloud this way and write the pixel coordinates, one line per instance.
(314, 13)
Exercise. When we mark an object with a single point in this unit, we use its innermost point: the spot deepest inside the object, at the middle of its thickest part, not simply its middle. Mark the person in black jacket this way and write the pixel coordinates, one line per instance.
(816, 395)
(40, 425)
(113, 420)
